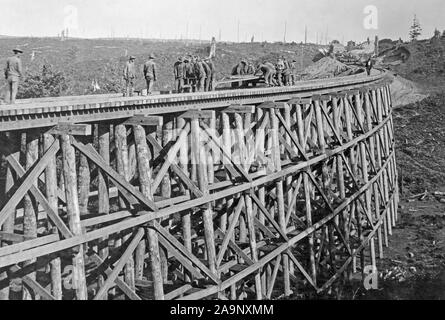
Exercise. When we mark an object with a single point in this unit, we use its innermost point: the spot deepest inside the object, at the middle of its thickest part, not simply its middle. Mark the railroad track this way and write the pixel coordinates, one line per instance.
(47, 112)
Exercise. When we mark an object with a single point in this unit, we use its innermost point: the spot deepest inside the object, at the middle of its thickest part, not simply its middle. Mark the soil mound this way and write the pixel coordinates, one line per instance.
(327, 68)
(405, 92)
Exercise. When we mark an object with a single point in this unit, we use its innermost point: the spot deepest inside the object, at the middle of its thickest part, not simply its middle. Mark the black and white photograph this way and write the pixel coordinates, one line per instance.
(237, 153)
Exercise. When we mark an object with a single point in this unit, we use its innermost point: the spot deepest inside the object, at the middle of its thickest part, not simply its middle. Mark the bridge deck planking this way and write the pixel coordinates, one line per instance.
(48, 112)
(104, 100)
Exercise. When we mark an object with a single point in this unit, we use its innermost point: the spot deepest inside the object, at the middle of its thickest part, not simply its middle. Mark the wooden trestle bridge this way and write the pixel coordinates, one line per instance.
(254, 193)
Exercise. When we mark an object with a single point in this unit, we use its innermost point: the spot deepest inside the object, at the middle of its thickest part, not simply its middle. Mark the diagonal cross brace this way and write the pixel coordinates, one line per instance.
(92, 154)
(120, 265)
(33, 175)
(176, 169)
(164, 233)
(53, 215)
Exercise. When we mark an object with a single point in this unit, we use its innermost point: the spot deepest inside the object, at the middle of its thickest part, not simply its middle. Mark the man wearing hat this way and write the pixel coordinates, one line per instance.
(150, 73)
(200, 75)
(129, 77)
(13, 73)
(179, 71)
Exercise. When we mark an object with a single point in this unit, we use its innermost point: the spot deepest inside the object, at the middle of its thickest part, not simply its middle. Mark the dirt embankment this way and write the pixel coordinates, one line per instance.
(327, 68)
(405, 92)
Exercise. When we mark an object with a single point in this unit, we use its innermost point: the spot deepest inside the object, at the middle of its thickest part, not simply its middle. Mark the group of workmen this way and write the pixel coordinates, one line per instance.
(194, 74)
(283, 73)
(129, 75)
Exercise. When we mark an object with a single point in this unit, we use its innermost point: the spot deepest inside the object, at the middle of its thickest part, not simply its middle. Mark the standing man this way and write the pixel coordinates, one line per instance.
(279, 72)
(211, 79)
(200, 75)
(13, 74)
(129, 77)
(191, 74)
(150, 73)
(293, 75)
(208, 76)
(179, 71)
(369, 66)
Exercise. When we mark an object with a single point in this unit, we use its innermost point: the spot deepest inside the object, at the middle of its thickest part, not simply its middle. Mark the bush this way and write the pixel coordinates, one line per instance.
(47, 83)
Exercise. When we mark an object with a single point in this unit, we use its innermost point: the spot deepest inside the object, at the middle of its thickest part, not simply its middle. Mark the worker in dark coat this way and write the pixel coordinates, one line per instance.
(286, 72)
(200, 75)
(129, 76)
(150, 73)
(208, 76)
(190, 73)
(179, 71)
(211, 80)
(13, 74)
(293, 74)
(240, 69)
(369, 65)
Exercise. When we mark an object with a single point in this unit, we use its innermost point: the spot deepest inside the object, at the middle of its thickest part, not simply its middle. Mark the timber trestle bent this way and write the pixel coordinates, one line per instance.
(254, 193)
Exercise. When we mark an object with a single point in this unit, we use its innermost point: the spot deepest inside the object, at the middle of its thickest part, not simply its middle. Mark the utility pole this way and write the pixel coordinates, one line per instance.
(200, 28)
(285, 31)
(238, 30)
(219, 37)
(305, 34)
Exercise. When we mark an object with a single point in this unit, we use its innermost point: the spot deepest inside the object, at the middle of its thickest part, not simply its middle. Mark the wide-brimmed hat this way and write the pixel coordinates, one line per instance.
(152, 56)
(17, 50)
(132, 58)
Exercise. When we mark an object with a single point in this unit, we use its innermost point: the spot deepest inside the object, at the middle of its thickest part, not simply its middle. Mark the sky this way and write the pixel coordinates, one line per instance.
(266, 20)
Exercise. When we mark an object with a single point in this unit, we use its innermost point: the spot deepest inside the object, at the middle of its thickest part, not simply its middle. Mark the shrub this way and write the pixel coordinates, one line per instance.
(47, 83)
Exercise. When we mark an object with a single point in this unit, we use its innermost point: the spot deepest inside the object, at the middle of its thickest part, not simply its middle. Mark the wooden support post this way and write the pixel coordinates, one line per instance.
(84, 184)
(103, 189)
(145, 176)
(72, 207)
(29, 204)
(379, 164)
(166, 186)
(227, 146)
(321, 130)
(123, 168)
(9, 224)
(51, 195)
(240, 158)
(375, 188)
(260, 157)
(365, 174)
(307, 194)
(383, 156)
(186, 217)
(207, 215)
(280, 195)
(287, 118)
